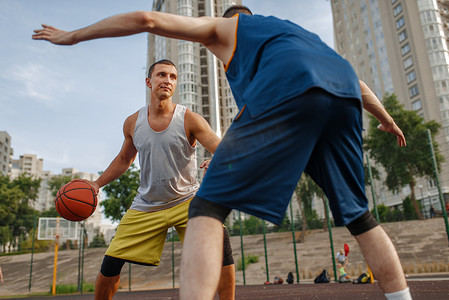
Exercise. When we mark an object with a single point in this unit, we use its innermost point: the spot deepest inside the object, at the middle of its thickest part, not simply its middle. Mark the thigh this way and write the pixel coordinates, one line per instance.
(140, 237)
(336, 163)
(178, 217)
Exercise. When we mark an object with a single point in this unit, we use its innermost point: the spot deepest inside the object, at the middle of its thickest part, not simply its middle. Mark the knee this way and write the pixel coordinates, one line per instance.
(200, 207)
(111, 266)
(362, 224)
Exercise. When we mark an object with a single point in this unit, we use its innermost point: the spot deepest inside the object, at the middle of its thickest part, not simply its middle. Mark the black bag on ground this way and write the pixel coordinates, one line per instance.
(324, 277)
(363, 278)
(290, 278)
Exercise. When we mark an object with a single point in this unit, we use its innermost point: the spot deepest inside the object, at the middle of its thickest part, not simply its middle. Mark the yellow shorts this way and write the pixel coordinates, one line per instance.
(140, 236)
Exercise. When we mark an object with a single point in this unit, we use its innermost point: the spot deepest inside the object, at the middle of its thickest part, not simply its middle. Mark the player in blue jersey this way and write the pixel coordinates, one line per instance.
(300, 110)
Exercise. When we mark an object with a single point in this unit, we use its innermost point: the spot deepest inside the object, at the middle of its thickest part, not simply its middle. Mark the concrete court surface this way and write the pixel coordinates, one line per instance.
(420, 290)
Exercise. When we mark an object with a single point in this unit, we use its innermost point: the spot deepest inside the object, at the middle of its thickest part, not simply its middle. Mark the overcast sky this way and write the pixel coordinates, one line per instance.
(67, 104)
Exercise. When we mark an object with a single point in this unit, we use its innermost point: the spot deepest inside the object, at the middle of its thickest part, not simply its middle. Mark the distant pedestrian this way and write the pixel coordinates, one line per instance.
(342, 262)
(278, 280)
(432, 211)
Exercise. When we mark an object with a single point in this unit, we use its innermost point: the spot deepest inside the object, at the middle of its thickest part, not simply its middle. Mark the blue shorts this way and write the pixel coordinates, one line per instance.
(260, 159)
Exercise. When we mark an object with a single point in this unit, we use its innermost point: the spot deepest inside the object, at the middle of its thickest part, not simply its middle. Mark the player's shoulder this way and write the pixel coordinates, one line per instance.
(130, 122)
(194, 120)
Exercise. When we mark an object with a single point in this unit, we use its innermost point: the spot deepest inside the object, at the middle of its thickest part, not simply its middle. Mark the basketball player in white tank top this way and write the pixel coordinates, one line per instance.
(165, 135)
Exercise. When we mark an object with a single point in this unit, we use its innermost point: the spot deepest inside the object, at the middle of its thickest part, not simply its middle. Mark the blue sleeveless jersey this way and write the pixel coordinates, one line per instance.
(276, 60)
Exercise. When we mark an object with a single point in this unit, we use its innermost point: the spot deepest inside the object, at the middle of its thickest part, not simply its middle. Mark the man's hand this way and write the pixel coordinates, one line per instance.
(394, 129)
(205, 165)
(93, 184)
(53, 35)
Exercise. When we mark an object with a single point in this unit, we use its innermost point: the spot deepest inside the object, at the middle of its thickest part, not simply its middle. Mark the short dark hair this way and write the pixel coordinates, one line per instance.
(162, 62)
(231, 11)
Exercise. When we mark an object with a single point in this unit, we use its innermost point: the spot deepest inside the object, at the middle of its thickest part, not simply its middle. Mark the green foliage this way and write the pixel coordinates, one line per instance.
(249, 259)
(285, 225)
(50, 213)
(388, 215)
(253, 225)
(408, 209)
(403, 164)
(16, 215)
(120, 194)
(56, 182)
(73, 288)
(305, 191)
(68, 245)
(314, 221)
(374, 172)
(98, 241)
(39, 245)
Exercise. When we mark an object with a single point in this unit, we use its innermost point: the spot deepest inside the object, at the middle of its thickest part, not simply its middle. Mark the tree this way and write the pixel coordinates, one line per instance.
(54, 184)
(253, 225)
(305, 191)
(120, 194)
(98, 241)
(16, 214)
(403, 164)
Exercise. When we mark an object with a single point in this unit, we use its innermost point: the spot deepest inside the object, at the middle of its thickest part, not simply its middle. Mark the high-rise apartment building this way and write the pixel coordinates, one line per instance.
(401, 47)
(202, 84)
(6, 153)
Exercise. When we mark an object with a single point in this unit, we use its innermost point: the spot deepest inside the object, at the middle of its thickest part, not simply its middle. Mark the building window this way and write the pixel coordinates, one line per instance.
(402, 36)
(416, 105)
(408, 62)
(414, 91)
(397, 10)
(400, 23)
(411, 76)
(405, 49)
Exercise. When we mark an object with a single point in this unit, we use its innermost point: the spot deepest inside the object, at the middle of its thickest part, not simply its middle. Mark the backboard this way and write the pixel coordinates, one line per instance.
(49, 228)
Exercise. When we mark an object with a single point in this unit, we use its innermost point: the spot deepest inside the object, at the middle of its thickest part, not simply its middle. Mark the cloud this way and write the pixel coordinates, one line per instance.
(38, 82)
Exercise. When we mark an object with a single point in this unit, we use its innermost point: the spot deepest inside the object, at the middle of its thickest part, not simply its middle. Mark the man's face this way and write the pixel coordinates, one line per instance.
(163, 81)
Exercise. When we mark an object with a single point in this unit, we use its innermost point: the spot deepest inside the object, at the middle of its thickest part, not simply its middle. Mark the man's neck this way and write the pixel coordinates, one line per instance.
(164, 106)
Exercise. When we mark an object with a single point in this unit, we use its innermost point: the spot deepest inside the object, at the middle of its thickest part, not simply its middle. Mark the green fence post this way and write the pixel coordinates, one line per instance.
(32, 251)
(330, 237)
(294, 241)
(129, 277)
(266, 254)
(241, 245)
(435, 171)
(371, 183)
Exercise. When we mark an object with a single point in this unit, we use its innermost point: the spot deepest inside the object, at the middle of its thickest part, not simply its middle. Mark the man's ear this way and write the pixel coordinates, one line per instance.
(148, 82)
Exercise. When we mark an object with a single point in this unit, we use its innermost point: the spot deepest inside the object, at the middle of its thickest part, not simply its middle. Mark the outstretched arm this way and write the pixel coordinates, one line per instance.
(373, 105)
(217, 34)
(122, 161)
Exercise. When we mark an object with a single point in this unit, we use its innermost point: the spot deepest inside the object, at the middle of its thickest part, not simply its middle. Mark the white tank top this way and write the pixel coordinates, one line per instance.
(167, 163)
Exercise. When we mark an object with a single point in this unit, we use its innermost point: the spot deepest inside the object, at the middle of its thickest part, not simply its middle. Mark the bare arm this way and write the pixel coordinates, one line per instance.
(122, 161)
(217, 34)
(373, 105)
(197, 128)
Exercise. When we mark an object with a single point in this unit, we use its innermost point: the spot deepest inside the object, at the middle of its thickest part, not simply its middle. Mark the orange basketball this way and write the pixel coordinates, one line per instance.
(76, 201)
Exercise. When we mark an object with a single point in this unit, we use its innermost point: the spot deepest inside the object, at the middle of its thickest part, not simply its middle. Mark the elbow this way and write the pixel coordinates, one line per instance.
(145, 19)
